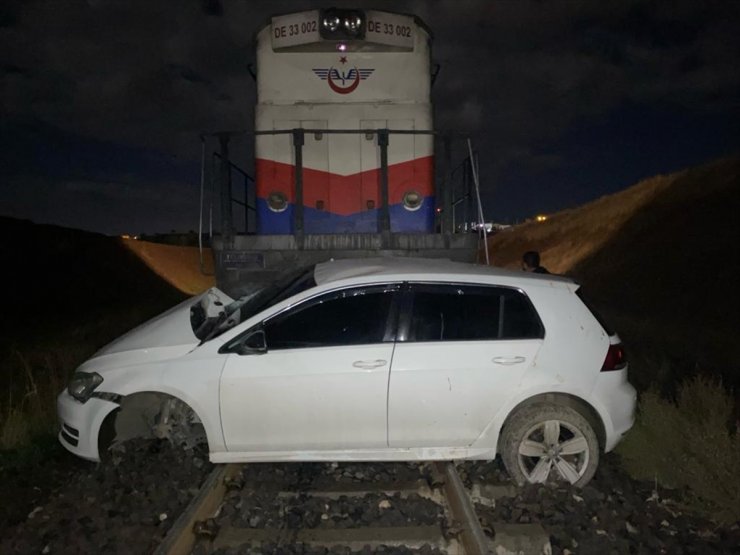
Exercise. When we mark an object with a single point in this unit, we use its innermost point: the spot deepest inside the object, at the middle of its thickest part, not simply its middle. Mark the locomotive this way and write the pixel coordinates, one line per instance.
(344, 149)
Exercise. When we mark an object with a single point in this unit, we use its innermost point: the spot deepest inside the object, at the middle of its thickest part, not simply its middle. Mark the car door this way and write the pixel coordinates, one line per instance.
(321, 380)
(461, 351)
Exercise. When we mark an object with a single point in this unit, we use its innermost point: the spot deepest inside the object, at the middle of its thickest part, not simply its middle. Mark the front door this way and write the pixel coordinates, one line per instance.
(321, 384)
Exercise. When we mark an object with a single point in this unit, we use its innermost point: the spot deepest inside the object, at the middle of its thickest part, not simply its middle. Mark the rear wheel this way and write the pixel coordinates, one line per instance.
(549, 443)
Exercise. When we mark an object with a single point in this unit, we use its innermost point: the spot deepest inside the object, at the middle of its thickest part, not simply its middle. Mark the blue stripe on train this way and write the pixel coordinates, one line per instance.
(321, 221)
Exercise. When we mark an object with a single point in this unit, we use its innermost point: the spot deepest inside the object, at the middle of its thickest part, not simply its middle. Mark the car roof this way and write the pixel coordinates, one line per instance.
(423, 269)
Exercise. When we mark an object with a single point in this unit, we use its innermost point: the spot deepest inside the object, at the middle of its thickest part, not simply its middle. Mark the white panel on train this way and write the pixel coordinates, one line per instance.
(316, 146)
(311, 71)
(391, 29)
(295, 29)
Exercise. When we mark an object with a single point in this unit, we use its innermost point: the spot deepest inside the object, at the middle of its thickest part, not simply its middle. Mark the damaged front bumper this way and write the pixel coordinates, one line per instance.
(80, 424)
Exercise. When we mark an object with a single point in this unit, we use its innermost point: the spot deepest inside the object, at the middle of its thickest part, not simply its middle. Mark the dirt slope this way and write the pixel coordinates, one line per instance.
(178, 266)
(58, 278)
(660, 258)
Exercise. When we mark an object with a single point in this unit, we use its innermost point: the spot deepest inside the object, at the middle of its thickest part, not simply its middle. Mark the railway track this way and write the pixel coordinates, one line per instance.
(345, 507)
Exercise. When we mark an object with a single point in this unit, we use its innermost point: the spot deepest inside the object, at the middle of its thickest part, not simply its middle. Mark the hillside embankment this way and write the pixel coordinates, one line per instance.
(58, 278)
(660, 260)
(185, 268)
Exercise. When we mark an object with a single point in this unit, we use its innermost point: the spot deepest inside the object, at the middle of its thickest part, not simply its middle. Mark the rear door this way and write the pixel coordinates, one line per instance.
(461, 351)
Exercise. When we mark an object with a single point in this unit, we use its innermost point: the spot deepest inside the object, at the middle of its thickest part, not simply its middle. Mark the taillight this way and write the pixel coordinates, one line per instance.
(616, 359)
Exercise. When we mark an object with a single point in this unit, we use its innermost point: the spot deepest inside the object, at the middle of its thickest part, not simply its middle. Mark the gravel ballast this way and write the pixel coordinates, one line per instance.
(612, 514)
(128, 504)
(125, 505)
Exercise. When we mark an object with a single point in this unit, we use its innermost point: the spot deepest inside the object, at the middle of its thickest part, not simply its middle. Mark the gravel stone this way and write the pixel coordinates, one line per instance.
(611, 514)
(125, 505)
(129, 503)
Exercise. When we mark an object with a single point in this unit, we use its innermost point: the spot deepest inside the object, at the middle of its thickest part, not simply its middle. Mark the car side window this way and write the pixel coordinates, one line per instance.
(356, 316)
(471, 313)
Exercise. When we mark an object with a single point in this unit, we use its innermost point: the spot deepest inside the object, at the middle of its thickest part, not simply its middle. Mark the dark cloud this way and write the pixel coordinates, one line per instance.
(213, 7)
(13, 69)
(187, 73)
(523, 78)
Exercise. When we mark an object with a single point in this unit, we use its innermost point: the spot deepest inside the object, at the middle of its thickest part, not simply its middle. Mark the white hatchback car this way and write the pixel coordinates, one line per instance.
(368, 359)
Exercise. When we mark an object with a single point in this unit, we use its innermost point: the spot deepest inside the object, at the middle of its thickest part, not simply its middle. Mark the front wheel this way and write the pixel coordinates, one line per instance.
(549, 443)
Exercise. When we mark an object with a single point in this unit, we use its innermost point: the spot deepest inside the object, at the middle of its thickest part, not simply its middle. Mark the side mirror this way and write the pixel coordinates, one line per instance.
(254, 344)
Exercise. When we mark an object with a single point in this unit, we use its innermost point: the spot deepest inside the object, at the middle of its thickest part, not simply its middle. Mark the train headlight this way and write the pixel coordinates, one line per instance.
(353, 24)
(412, 200)
(277, 201)
(339, 24)
(331, 22)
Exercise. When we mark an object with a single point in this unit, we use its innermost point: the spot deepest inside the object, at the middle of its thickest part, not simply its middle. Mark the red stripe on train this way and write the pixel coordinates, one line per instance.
(346, 194)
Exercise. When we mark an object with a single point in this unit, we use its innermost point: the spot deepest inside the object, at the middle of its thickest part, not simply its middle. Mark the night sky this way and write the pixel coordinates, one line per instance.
(102, 101)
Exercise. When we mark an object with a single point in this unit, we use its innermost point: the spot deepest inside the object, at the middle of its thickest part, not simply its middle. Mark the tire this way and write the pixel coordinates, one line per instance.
(532, 443)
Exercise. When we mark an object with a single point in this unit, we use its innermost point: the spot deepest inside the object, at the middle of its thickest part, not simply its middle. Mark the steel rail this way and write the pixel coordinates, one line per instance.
(473, 538)
(181, 538)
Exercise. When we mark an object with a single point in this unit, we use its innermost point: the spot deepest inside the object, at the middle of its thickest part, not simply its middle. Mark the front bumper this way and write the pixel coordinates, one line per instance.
(80, 424)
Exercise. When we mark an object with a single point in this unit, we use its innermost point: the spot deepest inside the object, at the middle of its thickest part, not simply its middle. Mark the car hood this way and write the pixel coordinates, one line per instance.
(171, 329)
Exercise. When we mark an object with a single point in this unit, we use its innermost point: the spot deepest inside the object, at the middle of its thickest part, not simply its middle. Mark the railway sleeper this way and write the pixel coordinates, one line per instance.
(355, 539)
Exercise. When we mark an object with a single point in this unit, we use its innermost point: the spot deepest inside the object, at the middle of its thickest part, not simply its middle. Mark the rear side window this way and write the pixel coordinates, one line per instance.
(470, 313)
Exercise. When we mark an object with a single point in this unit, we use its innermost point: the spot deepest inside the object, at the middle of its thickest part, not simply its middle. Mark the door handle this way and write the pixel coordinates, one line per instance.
(508, 361)
(368, 364)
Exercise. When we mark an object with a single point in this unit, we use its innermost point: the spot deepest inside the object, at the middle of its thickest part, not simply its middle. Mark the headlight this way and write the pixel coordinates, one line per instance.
(338, 24)
(83, 384)
(331, 23)
(277, 201)
(353, 24)
(412, 200)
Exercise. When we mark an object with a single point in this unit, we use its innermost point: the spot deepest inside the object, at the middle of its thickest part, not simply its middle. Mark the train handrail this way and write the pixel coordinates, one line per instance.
(449, 205)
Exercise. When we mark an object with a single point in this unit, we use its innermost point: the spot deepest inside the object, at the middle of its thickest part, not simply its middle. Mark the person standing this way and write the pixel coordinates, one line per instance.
(531, 263)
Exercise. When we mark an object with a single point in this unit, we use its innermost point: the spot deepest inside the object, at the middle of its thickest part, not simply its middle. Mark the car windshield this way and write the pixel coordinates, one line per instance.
(285, 286)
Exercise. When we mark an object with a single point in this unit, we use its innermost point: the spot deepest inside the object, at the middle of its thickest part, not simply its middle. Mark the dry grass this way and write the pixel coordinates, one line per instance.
(691, 444)
(34, 374)
(30, 408)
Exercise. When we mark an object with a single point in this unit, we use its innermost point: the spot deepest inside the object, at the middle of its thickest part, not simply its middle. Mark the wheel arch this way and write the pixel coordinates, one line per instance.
(583, 407)
(126, 422)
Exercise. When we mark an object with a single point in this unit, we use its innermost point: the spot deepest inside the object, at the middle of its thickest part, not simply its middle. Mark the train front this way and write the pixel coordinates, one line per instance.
(343, 75)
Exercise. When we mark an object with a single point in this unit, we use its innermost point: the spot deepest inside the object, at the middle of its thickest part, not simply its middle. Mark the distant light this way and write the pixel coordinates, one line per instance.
(342, 47)
(126, 236)
(541, 218)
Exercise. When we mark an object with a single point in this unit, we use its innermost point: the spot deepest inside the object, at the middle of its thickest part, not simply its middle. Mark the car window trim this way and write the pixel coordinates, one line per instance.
(389, 335)
(410, 288)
